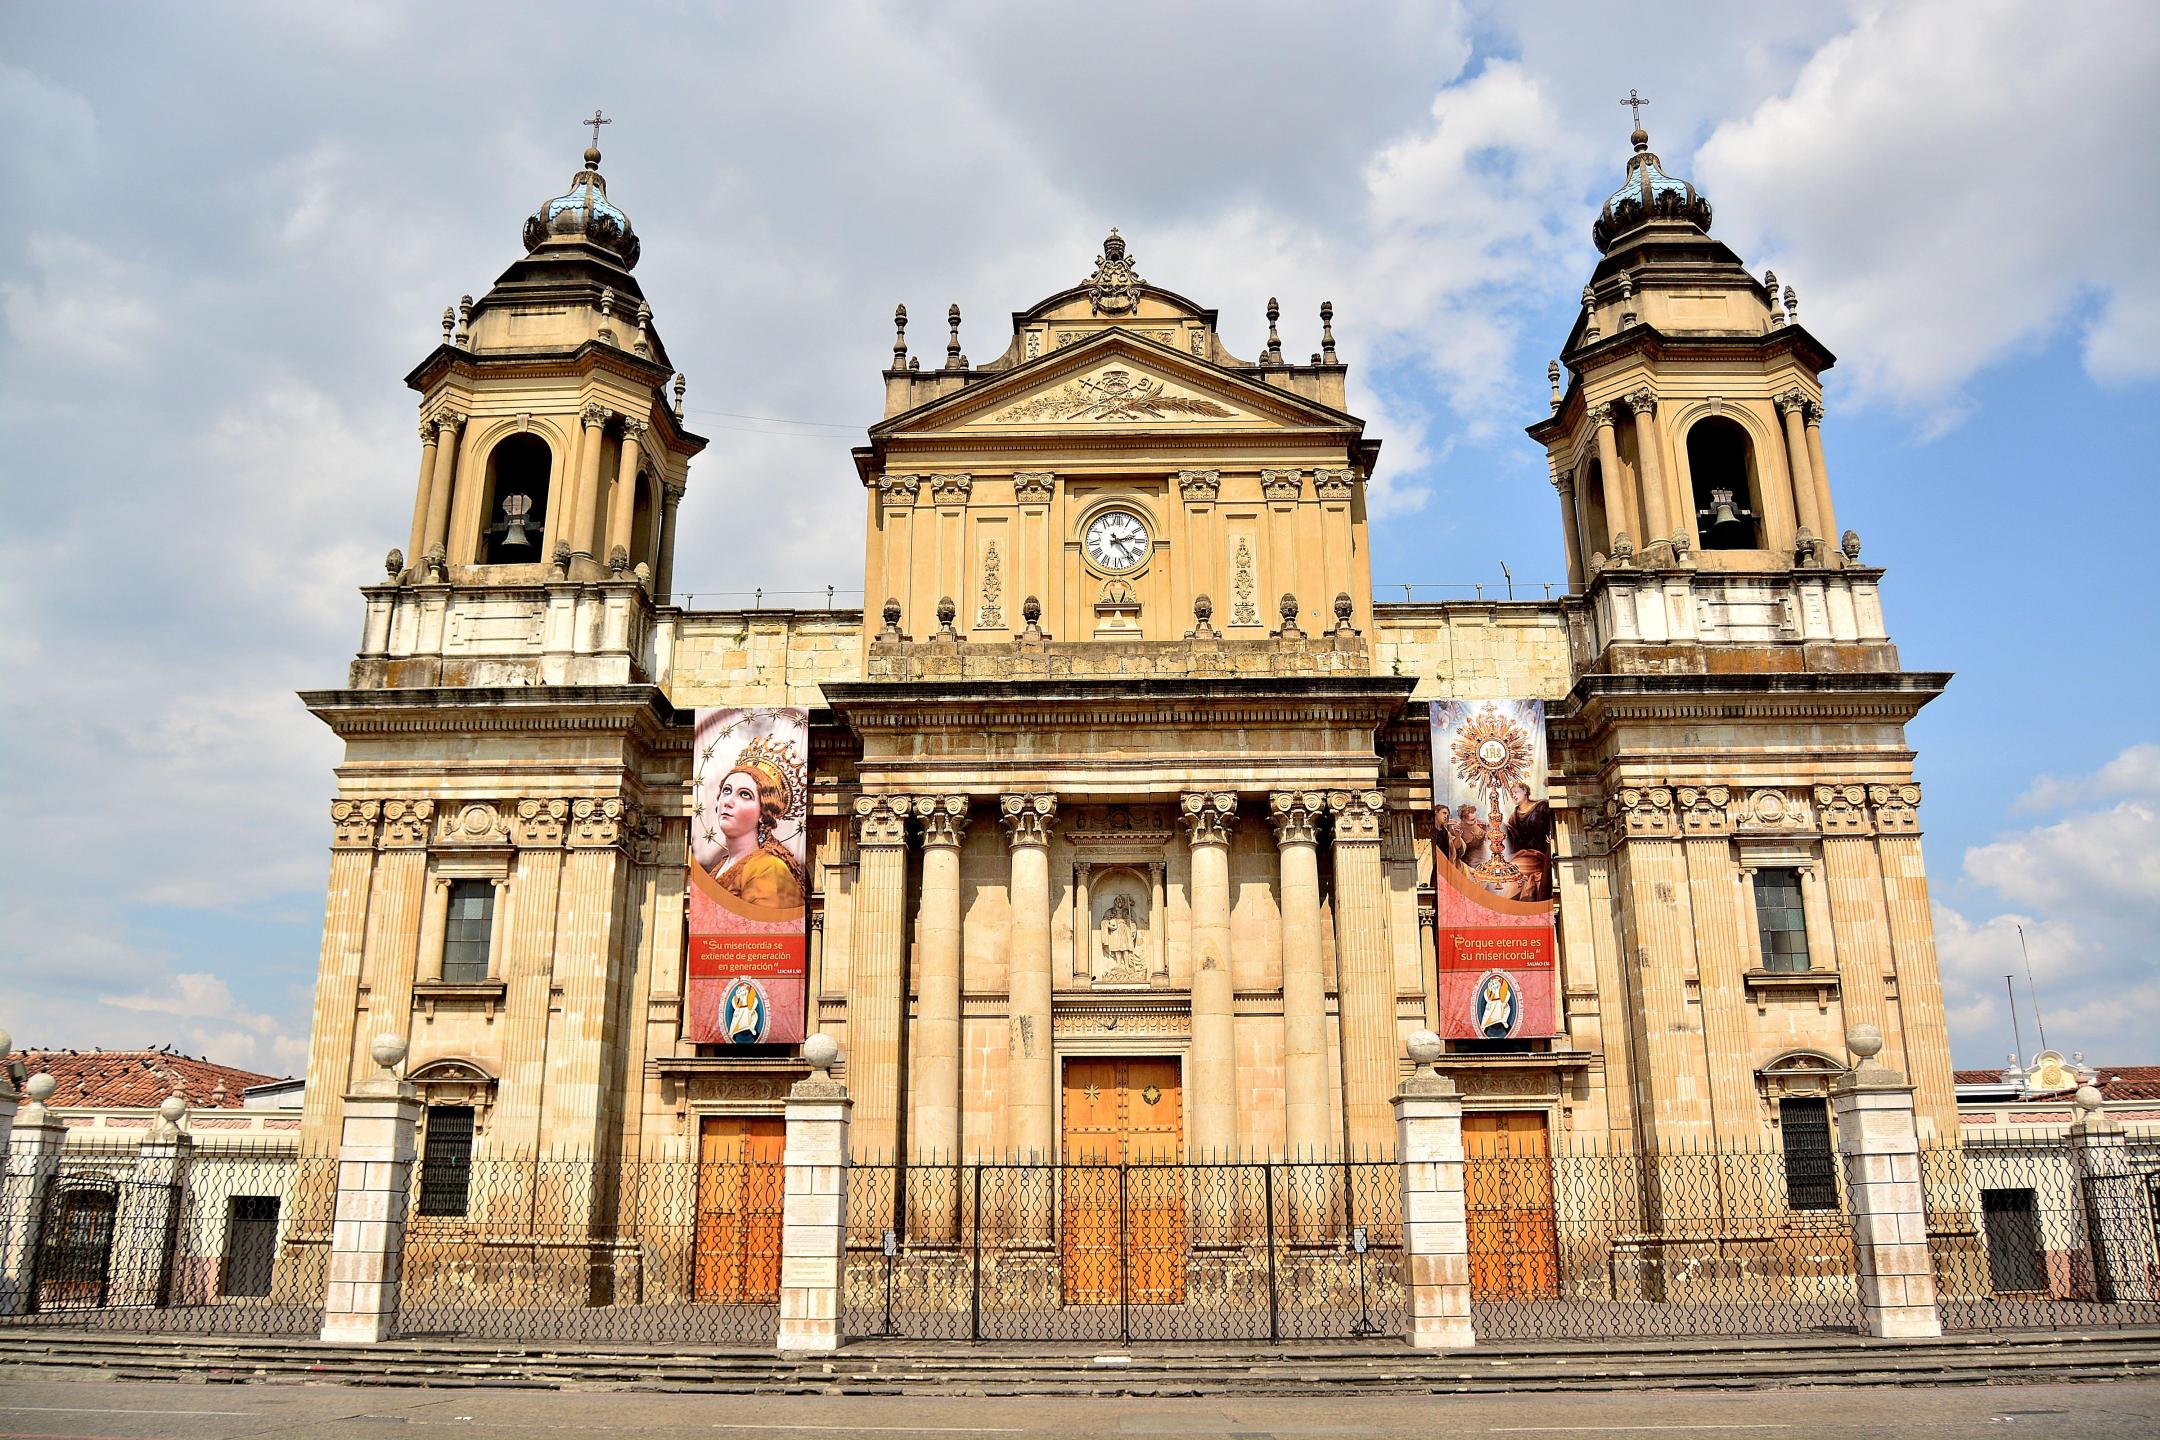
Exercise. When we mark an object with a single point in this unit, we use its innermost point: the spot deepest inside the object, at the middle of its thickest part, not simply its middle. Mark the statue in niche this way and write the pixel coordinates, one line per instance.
(1118, 941)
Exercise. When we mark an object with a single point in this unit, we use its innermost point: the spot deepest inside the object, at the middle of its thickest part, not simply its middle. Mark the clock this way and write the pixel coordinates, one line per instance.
(1117, 541)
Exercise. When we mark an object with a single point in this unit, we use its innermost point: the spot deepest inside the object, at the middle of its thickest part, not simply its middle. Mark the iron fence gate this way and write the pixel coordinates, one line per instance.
(1123, 1252)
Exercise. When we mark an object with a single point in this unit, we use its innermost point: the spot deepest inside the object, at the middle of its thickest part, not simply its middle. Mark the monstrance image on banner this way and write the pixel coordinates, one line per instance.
(1493, 869)
(748, 970)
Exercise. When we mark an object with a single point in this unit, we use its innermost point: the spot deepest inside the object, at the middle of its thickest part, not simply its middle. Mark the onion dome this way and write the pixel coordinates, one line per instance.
(584, 213)
(1647, 194)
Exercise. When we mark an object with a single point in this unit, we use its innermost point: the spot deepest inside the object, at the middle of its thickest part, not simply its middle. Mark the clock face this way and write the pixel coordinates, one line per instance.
(1117, 540)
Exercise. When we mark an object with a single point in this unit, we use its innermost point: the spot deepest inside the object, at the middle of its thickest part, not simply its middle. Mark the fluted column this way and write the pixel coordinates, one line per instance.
(423, 494)
(1031, 1065)
(1564, 485)
(1856, 902)
(1820, 473)
(1790, 404)
(1305, 1052)
(1211, 1087)
(527, 966)
(664, 569)
(935, 1046)
(584, 500)
(1723, 954)
(622, 502)
(1657, 506)
(439, 489)
(1621, 515)
(337, 980)
(1912, 951)
(876, 999)
(1364, 971)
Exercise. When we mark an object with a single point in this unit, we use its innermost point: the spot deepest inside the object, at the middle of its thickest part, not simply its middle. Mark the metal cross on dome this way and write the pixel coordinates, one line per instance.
(598, 119)
(1634, 102)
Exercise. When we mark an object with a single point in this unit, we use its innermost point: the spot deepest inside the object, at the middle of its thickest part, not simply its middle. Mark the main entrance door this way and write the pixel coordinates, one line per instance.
(739, 1185)
(1121, 1114)
(1507, 1183)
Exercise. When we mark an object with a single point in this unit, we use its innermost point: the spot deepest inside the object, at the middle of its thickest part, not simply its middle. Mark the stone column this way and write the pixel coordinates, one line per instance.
(1564, 486)
(353, 825)
(2116, 1224)
(585, 496)
(877, 994)
(1435, 1217)
(664, 573)
(935, 1042)
(1031, 1067)
(1306, 1131)
(1880, 1150)
(1364, 969)
(622, 502)
(1621, 515)
(1657, 507)
(367, 1236)
(813, 1207)
(423, 493)
(439, 489)
(1861, 929)
(1790, 405)
(1923, 1029)
(1724, 952)
(145, 1229)
(1211, 1088)
(1824, 510)
(33, 1159)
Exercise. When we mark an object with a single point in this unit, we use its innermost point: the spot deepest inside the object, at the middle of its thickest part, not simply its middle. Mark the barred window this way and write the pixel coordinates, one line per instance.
(446, 1161)
(1780, 920)
(1810, 1165)
(468, 931)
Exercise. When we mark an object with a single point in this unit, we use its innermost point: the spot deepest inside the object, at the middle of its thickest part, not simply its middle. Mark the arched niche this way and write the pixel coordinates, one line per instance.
(514, 508)
(1725, 484)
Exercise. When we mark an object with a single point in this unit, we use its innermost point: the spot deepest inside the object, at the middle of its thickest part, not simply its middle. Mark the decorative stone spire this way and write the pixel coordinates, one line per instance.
(1327, 332)
(681, 384)
(954, 360)
(899, 339)
(1273, 356)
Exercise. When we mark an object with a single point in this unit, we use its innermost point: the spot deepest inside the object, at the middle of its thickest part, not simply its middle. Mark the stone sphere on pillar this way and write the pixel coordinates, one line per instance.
(1864, 1041)
(40, 1087)
(172, 1108)
(1424, 1047)
(820, 1051)
(388, 1050)
(2089, 1099)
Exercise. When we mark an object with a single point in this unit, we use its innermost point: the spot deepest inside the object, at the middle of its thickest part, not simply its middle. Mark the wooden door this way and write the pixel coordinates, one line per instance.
(739, 1186)
(1124, 1195)
(1507, 1182)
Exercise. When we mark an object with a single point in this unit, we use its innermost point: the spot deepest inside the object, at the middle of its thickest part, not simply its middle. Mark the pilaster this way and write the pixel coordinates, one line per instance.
(1365, 973)
(935, 1042)
(1211, 1088)
(1297, 816)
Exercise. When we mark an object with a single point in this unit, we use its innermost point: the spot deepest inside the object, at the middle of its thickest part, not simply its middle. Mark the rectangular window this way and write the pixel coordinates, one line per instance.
(468, 932)
(1780, 920)
(1810, 1164)
(446, 1160)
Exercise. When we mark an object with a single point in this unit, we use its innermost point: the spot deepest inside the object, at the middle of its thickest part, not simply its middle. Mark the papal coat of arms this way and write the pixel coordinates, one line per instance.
(1114, 288)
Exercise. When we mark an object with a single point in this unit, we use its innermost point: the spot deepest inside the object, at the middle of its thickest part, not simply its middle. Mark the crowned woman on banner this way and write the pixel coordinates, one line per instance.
(758, 792)
(749, 881)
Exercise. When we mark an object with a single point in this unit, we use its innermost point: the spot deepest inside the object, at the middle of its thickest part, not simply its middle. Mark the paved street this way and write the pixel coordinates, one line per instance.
(127, 1410)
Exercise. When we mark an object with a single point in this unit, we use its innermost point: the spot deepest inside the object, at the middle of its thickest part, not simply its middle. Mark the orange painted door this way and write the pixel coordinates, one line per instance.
(1124, 1194)
(1507, 1180)
(739, 1185)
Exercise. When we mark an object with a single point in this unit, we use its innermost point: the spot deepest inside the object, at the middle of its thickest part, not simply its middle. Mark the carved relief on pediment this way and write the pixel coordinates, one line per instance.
(1115, 392)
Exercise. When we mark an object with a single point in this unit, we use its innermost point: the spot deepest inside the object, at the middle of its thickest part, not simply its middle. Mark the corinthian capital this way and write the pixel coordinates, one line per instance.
(881, 819)
(1601, 415)
(635, 429)
(1027, 818)
(1642, 401)
(1787, 401)
(1296, 816)
(447, 424)
(1564, 481)
(1209, 816)
(944, 819)
(1359, 814)
(596, 415)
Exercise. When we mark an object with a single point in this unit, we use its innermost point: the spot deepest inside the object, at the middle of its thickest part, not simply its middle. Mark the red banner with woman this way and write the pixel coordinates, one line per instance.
(748, 971)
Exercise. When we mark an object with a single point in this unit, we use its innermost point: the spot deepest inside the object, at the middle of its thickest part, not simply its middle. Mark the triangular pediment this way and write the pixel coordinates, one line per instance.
(1116, 380)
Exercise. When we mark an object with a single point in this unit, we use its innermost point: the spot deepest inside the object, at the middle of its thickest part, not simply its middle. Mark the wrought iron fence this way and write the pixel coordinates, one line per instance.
(1143, 1251)
(2023, 1234)
(585, 1248)
(230, 1240)
(1590, 1241)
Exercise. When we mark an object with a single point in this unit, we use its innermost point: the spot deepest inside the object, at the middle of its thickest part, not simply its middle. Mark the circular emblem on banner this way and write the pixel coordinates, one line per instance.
(1496, 1006)
(746, 1012)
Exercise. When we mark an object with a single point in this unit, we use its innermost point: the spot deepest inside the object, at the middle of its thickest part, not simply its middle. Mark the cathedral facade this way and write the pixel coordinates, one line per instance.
(1118, 794)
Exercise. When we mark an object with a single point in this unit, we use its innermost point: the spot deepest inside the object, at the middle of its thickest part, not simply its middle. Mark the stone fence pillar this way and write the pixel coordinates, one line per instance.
(813, 1224)
(9, 1100)
(1880, 1149)
(146, 1228)
(367, 1233)
(33, 1159)
(1435, 1222)
(2117, 1227)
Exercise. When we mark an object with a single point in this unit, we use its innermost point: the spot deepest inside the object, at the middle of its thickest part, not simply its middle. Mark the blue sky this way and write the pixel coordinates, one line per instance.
(235, 225)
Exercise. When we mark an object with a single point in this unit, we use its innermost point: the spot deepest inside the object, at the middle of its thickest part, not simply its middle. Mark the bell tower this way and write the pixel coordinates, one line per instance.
(549, 449)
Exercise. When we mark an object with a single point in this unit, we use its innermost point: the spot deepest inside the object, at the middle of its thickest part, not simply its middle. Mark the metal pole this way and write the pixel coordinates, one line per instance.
(1274, 1322)
(975, 1242)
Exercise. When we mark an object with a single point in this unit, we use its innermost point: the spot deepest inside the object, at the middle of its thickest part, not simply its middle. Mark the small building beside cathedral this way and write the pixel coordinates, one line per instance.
(1115, 812)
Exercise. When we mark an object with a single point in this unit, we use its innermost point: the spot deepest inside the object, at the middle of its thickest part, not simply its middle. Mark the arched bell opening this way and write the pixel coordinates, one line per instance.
(514, 519)
(1727, 494)
(1596, 529)
(645, 522)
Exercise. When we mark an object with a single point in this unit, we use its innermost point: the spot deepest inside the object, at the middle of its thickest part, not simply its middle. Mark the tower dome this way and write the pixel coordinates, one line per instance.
(583, 212)
(1647, 194)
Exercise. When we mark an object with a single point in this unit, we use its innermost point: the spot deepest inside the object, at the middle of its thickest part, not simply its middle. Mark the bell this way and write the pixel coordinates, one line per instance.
(1722, 513)
(515, 509)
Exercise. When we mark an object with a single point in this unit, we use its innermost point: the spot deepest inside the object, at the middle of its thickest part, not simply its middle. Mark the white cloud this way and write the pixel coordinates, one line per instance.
(1948, 182)
(2135, 772)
